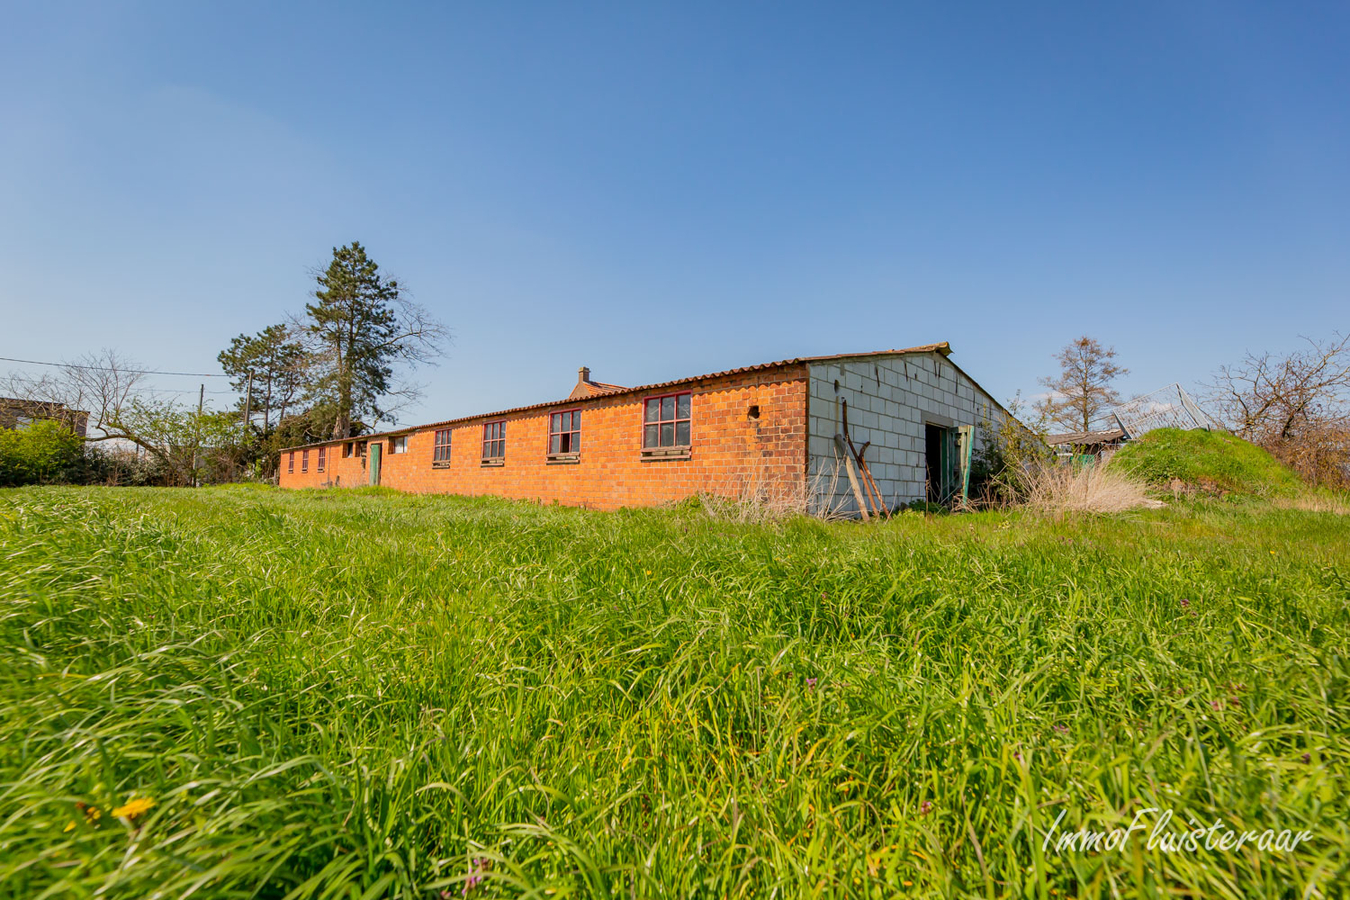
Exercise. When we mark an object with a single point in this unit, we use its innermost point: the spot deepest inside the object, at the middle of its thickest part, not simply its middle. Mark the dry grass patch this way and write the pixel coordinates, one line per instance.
(1095, 489)
(1316, 502)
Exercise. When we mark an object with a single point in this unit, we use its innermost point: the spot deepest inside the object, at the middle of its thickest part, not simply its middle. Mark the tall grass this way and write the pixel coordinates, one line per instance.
(337, 695)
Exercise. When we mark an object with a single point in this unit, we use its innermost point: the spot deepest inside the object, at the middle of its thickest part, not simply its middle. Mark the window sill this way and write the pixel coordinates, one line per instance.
(665, 453)
(492, 463)
(564, 459)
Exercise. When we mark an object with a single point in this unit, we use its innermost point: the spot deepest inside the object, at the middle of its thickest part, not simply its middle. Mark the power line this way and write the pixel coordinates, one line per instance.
(190, 391)
(35, 362)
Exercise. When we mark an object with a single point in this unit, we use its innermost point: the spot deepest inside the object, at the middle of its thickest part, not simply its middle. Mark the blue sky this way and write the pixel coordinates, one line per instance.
(658, 190)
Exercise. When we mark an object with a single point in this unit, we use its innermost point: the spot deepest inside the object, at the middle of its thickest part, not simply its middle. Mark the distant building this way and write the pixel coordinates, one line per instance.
(1098, 444)
(17, 414)
(777, 431)
(1167, 407)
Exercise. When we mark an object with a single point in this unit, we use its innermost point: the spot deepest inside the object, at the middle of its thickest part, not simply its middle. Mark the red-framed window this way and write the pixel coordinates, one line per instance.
(494, 442)
(398, 444)
(440, 454)
(323, 457)
(347, 450)
(304, 460)
(290, 463)
(564, 433)
(665, 422)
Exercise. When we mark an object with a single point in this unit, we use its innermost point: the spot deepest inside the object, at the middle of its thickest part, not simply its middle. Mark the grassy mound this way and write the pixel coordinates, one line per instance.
(1211, 460)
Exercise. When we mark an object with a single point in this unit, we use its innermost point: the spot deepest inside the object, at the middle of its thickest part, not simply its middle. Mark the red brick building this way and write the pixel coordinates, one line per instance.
(765, 430)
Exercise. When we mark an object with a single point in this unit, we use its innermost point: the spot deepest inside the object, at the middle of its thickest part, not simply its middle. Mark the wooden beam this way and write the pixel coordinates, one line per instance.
(852, 475)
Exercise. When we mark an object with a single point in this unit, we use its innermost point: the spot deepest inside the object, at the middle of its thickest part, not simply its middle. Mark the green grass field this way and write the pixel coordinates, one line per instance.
(353, 694)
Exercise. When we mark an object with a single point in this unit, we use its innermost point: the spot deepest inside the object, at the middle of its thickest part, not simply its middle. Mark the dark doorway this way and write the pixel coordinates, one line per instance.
(939, 460)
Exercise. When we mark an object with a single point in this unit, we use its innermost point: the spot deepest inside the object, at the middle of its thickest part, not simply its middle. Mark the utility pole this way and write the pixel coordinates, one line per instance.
(248, 405)
(197, 435)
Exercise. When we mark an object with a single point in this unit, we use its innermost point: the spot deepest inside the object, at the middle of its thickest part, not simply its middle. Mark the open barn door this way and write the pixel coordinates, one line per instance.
(942, 462)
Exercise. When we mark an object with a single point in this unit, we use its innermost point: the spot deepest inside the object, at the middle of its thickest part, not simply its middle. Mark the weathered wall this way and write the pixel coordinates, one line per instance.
(731, 452)
(890, 399)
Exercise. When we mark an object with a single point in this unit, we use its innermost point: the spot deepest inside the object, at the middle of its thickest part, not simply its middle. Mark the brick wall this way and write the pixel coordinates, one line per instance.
(731, 454)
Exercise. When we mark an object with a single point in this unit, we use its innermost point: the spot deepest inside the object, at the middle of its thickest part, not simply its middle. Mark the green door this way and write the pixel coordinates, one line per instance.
(375, 462)
(965, 453)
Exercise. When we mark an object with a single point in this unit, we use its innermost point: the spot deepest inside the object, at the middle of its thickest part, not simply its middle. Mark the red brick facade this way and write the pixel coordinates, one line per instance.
(734, 449)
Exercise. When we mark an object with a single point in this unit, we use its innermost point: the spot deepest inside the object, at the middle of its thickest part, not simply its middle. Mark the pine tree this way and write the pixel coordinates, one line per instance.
(276, 363)
(362, 326)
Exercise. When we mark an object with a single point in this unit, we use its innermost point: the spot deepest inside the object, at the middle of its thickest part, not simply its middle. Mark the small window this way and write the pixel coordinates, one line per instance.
(398, 445)
(361, 449)
(304, 460)
(665, 424)
(290, 463)
(347, 450)
(564, 435)
(323, 457)
(494, 443)
(440, 456)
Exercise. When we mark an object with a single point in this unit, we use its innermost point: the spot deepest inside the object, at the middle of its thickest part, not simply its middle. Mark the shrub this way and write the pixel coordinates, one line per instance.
(1210, 460)
(1319, 452)
(1006, 463)
(42, 453)
(122, 466)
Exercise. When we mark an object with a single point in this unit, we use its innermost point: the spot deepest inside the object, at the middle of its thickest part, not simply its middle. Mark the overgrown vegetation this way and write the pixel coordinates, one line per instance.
(40, 453)
(1211, 461)
(341, 694)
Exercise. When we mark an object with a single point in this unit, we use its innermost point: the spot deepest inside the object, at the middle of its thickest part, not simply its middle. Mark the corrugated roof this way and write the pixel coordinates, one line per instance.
(615, 390)
(1084, 437)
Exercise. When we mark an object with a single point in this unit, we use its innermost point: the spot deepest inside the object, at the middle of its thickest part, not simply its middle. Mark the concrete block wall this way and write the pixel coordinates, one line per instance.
(890, 399)
(732, 452)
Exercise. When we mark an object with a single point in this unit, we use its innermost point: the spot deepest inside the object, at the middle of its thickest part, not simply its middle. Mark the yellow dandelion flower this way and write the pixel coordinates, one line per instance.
(135, 807)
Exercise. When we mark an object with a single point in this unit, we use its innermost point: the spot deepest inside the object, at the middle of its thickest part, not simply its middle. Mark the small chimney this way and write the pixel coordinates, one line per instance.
(583, 375)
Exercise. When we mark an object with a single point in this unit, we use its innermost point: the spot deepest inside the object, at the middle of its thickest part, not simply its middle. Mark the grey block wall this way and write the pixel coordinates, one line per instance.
(890, 399)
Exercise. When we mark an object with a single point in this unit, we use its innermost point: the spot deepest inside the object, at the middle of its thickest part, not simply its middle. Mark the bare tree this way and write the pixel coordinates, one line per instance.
(101, 384)
(1268, 397)
(1297, 406)
(1082, 391)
